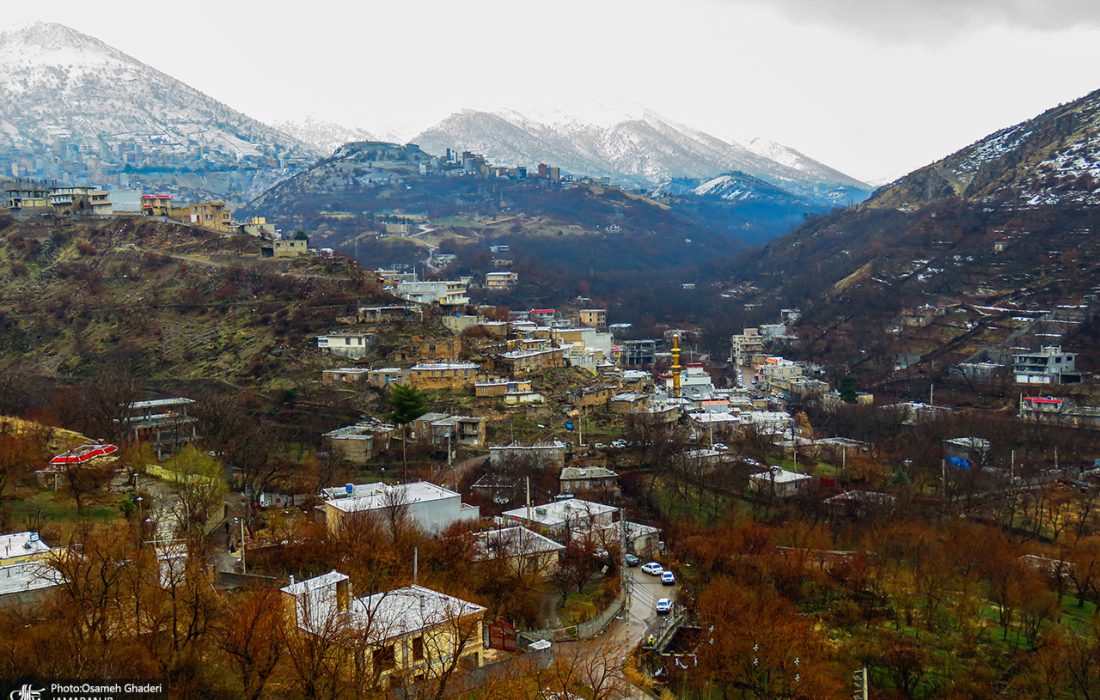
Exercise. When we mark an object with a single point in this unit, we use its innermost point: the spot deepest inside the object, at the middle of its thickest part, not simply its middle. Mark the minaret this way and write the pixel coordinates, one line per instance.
(676, 365)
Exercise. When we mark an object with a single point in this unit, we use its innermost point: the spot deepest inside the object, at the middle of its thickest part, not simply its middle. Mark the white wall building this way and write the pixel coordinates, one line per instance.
(433, 508)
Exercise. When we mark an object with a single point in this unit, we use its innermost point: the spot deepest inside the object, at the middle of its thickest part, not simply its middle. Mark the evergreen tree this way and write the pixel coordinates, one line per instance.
(406, 405)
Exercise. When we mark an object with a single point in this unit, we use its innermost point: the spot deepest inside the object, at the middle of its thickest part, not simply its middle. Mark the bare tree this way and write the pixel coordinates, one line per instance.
(247, 630)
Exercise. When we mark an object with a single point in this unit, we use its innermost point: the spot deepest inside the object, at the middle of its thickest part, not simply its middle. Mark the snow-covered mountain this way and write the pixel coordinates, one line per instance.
(642, 149)
(1052, 159)
(73, 108)
(326, 136)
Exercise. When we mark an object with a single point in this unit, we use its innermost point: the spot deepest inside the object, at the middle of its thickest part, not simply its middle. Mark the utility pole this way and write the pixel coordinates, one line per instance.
(625, 583)
(416, 563)
(580, 429)
(244, 568)
(528, 480)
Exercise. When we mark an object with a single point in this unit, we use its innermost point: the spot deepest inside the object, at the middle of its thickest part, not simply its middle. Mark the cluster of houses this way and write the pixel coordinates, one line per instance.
(495, 363)
(412, 630)
(29, 199)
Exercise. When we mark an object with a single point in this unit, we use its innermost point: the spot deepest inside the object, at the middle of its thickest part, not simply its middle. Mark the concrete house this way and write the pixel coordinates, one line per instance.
(385, 376)
(779, 483)
(350, 345)
(521, 362)
(25, 573)
(361, 442)
(501, 281)
(342, 376)
(522, 550)
(458, 431)
(1047, 366)
(408, 633)
(443, 375)
(286, 248)
(564, 520)
(431, 508)
(582, 479)
(592, 318)
(550, 455)
(162, 423)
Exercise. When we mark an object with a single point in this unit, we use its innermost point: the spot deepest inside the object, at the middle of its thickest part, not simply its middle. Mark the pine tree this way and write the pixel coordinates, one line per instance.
(406, 405)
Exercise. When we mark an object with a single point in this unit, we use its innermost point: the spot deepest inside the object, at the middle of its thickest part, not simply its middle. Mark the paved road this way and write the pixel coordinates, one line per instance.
(645, 590)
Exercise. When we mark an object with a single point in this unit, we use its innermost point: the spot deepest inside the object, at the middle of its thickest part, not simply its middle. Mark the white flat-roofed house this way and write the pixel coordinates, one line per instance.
(564, 520)
(431, 508)
(779, 482)
(22, 546)
(25, 582)
(443, 292)
(25, 570)
(350, 345)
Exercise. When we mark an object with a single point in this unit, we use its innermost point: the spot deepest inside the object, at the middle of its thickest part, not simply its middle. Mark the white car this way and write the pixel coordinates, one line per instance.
(721, 447)
(653, 569)
(664, 606)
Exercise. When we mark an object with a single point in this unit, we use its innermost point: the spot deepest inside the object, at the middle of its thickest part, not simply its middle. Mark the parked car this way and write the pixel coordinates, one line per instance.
(632, 560)
(720, 446)
(653, 569)
(600, 446)
(664, 606)
(618, 444)
(667, 579)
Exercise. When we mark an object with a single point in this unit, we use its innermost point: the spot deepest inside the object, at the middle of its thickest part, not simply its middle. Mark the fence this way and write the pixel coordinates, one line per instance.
(233, 580)
(582, 630)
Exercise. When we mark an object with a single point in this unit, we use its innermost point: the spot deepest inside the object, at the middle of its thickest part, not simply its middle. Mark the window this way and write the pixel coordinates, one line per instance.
(383, 658)
(418, 648)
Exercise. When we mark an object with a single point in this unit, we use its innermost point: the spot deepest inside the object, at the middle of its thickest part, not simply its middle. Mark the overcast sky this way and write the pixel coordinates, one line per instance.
(873, 87)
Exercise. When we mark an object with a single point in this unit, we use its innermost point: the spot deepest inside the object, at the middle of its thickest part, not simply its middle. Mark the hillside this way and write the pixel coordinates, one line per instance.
(1051, 159)
(164, 302)
(576, 235)
(75, 109)
(958, 260)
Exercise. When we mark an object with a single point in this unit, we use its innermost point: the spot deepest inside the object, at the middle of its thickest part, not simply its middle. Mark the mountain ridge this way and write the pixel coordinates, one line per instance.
(74, 108)
(643, 150)
(1004, 227)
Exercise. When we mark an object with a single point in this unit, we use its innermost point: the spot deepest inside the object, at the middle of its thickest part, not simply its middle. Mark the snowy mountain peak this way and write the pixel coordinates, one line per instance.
(632, 145)
(74, 109)
(52, 44)
(600, 112)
